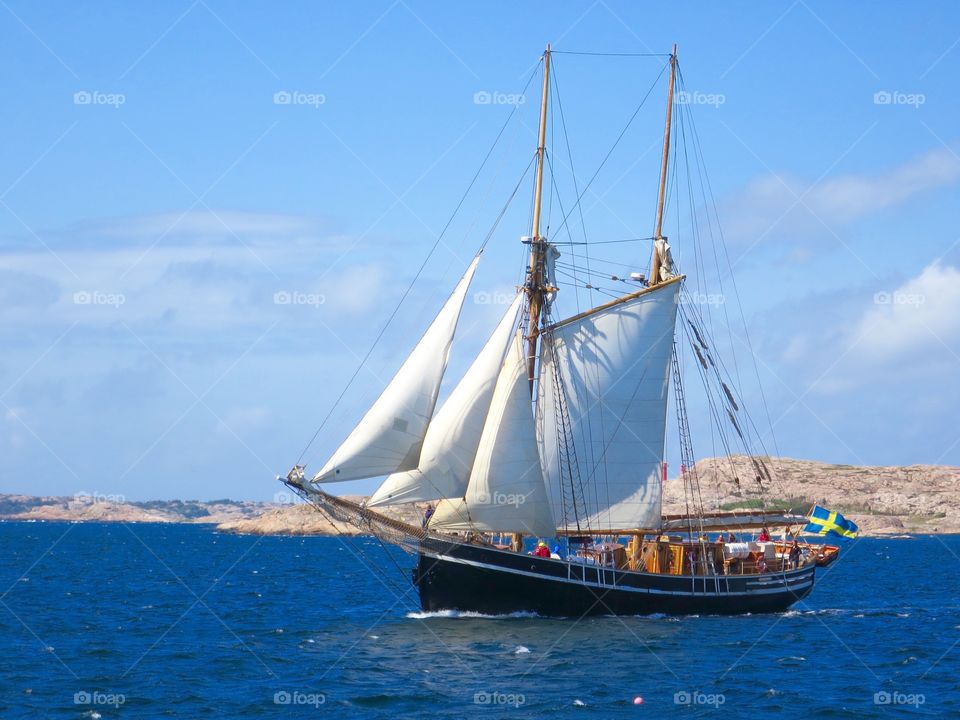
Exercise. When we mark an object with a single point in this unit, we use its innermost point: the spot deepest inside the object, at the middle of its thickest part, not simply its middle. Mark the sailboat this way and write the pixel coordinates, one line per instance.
(555, 437)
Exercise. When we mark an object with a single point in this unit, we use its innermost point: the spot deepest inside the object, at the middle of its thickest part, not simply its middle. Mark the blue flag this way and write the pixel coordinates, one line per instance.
(825, 522)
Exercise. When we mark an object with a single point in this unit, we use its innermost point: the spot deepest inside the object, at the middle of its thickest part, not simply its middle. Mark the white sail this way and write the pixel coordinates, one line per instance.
(610, 369)
(453, 435)
(506, 491)
(389, 437)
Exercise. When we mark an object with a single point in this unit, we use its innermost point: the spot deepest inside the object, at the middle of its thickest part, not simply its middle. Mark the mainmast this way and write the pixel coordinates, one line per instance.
(658, 231)
(535, 273)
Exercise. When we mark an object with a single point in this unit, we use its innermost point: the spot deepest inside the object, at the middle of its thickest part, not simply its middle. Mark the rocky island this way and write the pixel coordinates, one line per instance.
(881, 500)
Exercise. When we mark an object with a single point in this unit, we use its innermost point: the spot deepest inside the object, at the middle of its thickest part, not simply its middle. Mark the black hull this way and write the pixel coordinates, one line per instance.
(474, 578)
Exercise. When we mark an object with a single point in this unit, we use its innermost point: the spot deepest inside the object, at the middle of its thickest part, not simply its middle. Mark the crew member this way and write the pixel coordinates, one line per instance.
(542, 550)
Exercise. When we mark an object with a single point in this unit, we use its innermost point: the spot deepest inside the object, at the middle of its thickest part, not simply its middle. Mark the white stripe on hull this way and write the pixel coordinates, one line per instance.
(789, 586)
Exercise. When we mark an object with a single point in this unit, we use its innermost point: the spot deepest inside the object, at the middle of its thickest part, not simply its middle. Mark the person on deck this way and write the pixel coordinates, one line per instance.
(731, 538)
(764, 535)
(795, 554)
(542, 550)
(427, 514)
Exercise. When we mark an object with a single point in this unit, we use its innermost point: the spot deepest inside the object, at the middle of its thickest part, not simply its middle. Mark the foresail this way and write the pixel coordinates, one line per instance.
(390, 436)
(453, 435)
(609, 371)
(506, 492)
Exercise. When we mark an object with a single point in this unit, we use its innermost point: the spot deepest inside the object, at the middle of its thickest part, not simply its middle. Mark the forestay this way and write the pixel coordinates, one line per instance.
(450, 446)
(390, 436)
(506, 491)
(610, 369)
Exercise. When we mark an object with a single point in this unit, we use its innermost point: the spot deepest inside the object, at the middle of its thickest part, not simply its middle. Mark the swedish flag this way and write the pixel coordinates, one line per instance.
(825, 522)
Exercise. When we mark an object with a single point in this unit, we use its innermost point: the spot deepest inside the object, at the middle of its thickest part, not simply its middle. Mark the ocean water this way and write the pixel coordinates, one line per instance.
(175, 621)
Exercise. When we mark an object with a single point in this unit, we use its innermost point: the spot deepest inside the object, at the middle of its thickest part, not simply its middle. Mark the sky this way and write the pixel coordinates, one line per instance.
(208, 211)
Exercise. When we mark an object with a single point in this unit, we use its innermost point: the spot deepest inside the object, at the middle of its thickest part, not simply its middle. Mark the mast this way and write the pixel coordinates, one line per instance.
(658, 232)
(535, 272)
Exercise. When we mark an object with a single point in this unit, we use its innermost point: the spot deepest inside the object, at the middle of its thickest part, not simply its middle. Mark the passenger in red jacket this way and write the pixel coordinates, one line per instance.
(542, 550)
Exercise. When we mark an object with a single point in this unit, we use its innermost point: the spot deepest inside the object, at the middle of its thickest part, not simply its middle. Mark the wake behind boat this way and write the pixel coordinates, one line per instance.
(555, 437)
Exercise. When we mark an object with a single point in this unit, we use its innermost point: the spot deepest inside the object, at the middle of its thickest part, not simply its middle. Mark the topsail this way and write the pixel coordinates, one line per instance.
(609, 369)
(389, 437)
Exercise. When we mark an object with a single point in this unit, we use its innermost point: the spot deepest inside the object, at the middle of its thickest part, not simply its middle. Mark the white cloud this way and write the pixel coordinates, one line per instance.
(196, 226)
(199, 277)
(871, 339)
(769, 208)
(920, 313)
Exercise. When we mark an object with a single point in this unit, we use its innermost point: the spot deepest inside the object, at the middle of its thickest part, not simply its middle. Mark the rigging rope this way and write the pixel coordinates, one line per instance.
(614, 146)
(420, 270)
(601, 54)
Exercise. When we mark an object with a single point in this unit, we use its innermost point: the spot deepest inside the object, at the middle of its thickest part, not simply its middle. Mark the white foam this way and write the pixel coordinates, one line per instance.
(466, 614)
(521, 650)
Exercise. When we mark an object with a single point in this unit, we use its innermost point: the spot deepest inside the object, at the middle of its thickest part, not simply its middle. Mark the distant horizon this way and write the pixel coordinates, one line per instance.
(286, 496)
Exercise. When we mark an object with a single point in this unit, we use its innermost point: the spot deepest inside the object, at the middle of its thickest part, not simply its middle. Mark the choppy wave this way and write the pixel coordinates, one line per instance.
(348, 646)
(791, 660)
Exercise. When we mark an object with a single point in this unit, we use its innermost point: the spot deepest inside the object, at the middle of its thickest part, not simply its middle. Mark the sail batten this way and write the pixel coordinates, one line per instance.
(506, 491)
(390, 436)
(452, 438)
(608, 370)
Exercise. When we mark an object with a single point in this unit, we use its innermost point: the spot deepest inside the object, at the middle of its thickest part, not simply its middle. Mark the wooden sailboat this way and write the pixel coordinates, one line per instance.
(556, 433)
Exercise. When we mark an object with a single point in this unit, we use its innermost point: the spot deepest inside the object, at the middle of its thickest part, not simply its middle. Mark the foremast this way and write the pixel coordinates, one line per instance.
(535, 286)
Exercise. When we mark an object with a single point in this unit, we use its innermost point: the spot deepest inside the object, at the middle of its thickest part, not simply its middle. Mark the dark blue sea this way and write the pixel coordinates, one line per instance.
(178, 621)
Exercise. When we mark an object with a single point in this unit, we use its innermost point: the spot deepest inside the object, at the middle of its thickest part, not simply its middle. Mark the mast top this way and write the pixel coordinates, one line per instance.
(658, 240)
(535, 271)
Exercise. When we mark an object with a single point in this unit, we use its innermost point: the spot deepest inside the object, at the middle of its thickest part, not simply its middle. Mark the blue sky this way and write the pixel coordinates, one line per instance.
(154, 199)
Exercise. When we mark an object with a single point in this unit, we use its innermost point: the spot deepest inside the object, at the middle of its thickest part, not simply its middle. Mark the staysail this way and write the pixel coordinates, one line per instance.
(453, 435)
(506, 491)
(389, 437)
(608, 370)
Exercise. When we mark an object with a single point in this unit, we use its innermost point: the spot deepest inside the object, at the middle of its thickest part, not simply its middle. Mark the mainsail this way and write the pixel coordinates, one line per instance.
(453, 435)
(506, 491)
(608, 370)
(389, 437)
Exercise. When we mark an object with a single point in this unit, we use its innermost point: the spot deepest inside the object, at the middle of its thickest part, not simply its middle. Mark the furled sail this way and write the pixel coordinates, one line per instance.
(666, 258)
(506, 491)
(453, 435)
(609, 370)
(389, 437)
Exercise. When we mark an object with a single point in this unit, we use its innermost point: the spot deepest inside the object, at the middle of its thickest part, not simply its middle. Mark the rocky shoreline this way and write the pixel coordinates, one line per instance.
(889, 501)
